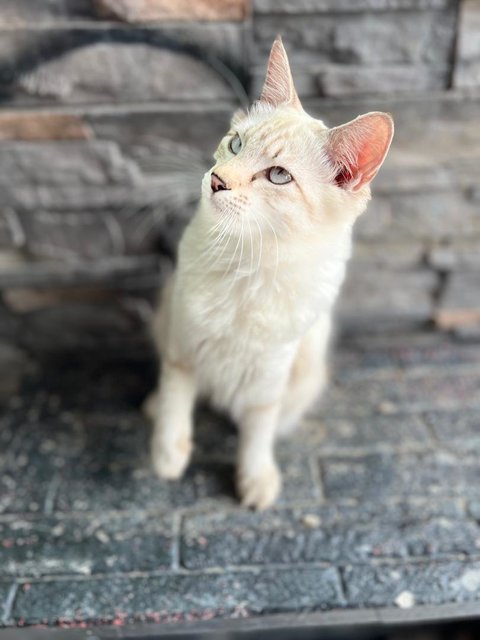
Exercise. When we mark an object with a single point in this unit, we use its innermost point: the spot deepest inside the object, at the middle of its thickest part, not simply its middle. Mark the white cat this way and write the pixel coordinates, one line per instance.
(245, 319)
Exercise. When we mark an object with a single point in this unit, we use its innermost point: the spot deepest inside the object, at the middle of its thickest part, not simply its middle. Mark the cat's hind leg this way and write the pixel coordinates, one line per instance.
(308, 376)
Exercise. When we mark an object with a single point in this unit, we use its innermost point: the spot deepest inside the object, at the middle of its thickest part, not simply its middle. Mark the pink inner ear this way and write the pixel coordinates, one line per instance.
(358, 149)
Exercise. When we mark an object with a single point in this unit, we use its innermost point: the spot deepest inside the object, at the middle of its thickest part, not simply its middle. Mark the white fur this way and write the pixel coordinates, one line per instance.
(246, 318)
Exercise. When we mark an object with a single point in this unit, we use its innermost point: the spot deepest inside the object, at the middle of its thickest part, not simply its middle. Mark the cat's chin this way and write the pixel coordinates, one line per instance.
(223, 204)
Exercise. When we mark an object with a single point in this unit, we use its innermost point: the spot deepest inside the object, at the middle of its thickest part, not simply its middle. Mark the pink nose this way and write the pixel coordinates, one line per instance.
(218, 184)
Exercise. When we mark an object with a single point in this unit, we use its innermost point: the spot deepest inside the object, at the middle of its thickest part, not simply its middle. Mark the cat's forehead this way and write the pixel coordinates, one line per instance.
(275, 129)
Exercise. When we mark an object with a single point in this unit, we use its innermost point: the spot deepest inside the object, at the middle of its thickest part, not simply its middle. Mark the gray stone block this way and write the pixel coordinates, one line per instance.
(71, 66)
(144, 72)
(458, 431)
(337, 534)
(385, 355)
(387, 476)
(435, 216)
(345, 80)
(23, 12)
(462, 255)
(436, 583)
(429, 388)
(390, 255)
(84, 320)
(459, 306)
(179, 597)
(340, 52)
(85, 546)
(372, 433)
(467, 58)
(91, 164)
(340, 6)
(108, 273)
(357, 38)
(371, 296)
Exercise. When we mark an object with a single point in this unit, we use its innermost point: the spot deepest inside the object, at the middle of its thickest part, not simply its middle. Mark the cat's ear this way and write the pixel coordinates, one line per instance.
(357, 149)
(278, 87)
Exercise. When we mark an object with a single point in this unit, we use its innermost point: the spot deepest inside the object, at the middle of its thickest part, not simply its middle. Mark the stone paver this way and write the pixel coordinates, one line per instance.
(178, 596)
(381, 495)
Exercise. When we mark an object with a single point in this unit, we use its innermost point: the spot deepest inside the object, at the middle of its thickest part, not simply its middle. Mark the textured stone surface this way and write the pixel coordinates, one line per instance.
(459, 255)
(23, 12)
(328, 534)
(401, 393)
(467, 67)
(458, 430)
(387, 476)
(153, 10)
(176, 597)
(387, 294)
(429, 584)
(460, 304)
(345, 80)
(88, 74)
(363, 39)
(398, 255)
(89, 533)
(90, 65)
(361, 52)
(132, 188)
(320, 6)
(107, 543)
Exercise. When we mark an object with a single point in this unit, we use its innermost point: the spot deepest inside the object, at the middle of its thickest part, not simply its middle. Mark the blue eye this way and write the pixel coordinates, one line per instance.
(235, 144)
(279, 175)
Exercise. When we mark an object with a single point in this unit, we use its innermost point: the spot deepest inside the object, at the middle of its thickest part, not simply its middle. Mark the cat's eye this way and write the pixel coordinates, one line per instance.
(279, 175)
(235, 144)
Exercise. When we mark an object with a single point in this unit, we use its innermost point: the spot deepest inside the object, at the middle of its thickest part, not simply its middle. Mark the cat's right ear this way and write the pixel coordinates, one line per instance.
(278, 87)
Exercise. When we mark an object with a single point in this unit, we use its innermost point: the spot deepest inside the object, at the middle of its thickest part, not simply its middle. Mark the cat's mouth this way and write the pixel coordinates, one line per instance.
(225, 203)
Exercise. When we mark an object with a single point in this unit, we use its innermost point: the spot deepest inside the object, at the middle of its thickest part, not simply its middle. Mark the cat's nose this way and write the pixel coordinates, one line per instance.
(218, 184)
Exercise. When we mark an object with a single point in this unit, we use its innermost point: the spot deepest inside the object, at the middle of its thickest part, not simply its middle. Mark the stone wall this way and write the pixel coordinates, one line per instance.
(109, 112)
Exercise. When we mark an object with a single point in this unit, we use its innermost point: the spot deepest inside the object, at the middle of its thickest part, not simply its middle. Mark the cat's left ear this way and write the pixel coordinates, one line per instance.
(357, 149)
(278, 87)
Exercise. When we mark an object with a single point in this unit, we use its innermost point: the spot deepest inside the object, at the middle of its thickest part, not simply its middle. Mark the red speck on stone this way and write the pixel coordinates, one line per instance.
(8, 543)
(27, 586)
(20, 622)
(202, 541)
(120, 619)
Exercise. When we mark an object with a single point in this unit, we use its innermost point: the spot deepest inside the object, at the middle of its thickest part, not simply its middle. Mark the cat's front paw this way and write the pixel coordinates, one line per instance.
(259, 490)
(170, 462)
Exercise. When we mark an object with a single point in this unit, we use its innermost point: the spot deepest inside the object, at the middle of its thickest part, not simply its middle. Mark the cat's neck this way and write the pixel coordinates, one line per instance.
(253, 253)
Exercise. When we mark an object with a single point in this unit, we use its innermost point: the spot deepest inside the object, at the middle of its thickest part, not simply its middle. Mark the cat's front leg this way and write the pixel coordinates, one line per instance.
(173, 428)
(258, 476)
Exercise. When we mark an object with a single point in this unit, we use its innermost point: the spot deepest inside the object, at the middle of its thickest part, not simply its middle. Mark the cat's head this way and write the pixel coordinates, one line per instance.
(281, 170)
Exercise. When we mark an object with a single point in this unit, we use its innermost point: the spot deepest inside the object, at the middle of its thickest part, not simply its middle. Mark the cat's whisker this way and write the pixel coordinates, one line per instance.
(209, 256)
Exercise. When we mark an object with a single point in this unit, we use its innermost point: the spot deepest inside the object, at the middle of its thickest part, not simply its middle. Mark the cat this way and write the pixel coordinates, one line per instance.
(246, 317)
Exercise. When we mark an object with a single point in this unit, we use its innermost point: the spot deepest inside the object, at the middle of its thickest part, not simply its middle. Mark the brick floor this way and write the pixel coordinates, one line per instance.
(382, 495)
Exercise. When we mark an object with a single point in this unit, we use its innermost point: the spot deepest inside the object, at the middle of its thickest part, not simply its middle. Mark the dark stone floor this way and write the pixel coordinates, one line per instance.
(381, 505)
